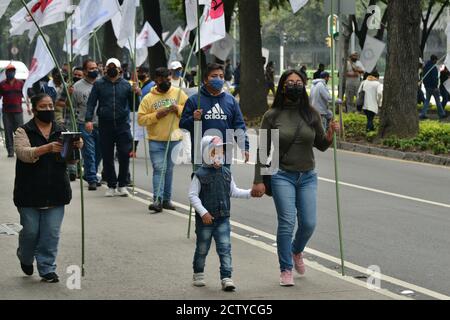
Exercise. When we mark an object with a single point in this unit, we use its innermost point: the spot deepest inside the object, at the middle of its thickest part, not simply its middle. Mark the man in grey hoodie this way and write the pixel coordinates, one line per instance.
(320, 98)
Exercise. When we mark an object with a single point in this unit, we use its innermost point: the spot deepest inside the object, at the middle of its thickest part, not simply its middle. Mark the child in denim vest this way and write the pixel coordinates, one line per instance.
(211, 188)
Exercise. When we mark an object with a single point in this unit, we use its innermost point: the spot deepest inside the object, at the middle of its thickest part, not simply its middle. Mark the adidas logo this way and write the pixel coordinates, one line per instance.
(216, 113)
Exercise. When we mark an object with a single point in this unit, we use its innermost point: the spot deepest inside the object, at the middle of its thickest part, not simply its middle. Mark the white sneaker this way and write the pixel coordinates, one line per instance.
(111, 192)
(122, 192)
(199, 279)
(228, 285)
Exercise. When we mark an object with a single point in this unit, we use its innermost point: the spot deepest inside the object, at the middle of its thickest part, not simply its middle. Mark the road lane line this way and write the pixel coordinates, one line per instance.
(392, 194)
(266, 247)
(314, 252)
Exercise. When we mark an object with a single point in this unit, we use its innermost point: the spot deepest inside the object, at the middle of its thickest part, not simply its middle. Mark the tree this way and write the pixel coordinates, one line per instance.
(156, 54)
(399, 112)
(253, 92)
(427, 27)
(110, 47)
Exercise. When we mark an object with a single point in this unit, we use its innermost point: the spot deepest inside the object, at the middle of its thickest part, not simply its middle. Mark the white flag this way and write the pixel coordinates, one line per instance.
(185, 39)
(222, 48)
(41, 65)
(94, 13)
(148, 37)
(72, 42)
(212, 28)
(3, 6)
(191, 14)
(127, 28)
(297, 4)
(265, 53)
(174, 41)
(44, 12)
(373, 48)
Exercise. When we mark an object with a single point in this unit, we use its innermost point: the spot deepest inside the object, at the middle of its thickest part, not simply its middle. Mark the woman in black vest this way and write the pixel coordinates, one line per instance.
(41, 188)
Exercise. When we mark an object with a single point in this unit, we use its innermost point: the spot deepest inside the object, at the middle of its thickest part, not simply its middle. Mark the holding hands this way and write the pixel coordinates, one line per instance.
(258, 190)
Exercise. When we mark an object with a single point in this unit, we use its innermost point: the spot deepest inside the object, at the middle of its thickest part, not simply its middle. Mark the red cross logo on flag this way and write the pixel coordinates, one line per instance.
(33, 66)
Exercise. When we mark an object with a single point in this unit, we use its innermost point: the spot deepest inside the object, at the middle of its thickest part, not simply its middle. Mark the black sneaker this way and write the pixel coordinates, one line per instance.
(99, 184)
(10, 155)
(168, 205)
(92, 186)
(28, 270)
(73, 176)
(50, 278)
(156, 207)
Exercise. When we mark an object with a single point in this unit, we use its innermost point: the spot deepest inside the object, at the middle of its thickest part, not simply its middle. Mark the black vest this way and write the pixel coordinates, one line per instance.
(44, 183)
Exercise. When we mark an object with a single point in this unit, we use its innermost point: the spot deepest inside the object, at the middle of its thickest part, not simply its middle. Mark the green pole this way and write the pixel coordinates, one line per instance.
(134, 111)
(196, 122)
(336, 172)
(72, 114)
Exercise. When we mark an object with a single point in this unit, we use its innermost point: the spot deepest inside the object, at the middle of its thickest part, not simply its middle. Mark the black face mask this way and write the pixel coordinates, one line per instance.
(164, 86)
(112, 72)
(142, 77)
(293, 92)
(93, 74)
(46, 116)
(76, 79)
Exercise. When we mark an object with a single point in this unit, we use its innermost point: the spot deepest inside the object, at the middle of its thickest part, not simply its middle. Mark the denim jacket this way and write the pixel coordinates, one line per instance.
(215, 190)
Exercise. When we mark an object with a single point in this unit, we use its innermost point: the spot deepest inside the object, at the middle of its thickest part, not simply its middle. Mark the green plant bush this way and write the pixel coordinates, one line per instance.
(433, 136)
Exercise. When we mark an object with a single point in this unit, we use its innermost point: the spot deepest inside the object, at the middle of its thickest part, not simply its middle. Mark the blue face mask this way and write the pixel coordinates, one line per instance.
(216, 84)
(10, 75)
(178, 74)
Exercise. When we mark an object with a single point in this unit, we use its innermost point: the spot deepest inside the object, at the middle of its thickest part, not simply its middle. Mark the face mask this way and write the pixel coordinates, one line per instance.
(178, 74)
(76, 79)
(112, 72)
(10, 75)
(46, 116)
(216, 84)
(164, 86)
(219, 160)
(93, 74)
(142, 77)
(293, 92)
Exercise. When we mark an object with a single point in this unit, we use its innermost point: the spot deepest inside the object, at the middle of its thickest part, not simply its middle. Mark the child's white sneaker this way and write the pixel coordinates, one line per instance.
(199, 279)
(122, 192)
(228, 285)
(111, 192)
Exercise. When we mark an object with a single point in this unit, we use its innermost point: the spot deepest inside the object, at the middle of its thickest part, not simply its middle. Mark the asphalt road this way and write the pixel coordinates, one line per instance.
(407, 238)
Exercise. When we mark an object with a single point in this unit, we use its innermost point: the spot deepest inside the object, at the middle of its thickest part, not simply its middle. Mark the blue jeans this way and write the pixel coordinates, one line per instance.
(162, 189)
(430, 92)
(295, 196)
(39, 237)
(220, 230)
(91, 153)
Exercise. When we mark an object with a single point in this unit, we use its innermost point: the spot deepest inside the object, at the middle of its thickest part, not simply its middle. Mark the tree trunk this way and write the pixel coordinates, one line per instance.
(344, 46)
(253, 98)
(399, 112)
(156, 54)
(110, 47)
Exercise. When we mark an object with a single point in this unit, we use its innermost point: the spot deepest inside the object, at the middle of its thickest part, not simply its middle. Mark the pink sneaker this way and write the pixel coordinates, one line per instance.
(286, 279)
(298, 263)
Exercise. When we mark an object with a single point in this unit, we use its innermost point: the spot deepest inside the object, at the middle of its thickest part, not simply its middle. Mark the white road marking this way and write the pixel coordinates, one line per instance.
(392, 194)
(314, 252)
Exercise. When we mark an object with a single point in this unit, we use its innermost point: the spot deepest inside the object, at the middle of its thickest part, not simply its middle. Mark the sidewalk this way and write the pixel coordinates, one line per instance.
(131, 254)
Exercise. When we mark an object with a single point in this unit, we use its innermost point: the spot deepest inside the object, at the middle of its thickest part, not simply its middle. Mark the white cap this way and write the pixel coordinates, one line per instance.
(114, 61)
(175, 65)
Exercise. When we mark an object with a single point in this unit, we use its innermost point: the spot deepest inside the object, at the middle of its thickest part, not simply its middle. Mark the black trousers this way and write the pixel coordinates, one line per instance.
(370, 116)
(11, 121)
(115, 136)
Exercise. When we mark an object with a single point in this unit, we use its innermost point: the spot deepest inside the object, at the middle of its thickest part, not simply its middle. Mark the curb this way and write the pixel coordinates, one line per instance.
(390, 153)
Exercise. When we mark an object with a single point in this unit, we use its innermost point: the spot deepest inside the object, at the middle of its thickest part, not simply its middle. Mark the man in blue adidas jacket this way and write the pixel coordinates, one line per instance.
(218, 111)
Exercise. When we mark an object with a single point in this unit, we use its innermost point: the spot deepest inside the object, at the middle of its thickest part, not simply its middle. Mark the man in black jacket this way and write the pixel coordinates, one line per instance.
(114, 96)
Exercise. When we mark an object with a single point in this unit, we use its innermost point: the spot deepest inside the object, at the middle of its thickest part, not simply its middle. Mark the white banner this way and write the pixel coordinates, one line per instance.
(41, 65)
(127, 25)
(212, 27)
(373, 48)
(148, 37)
(297, 4)
(94, 13)
(222, 48)
(174, 41)
(3, 6)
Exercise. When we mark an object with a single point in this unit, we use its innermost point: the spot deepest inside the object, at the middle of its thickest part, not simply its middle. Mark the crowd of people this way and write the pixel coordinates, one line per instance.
(107, 98)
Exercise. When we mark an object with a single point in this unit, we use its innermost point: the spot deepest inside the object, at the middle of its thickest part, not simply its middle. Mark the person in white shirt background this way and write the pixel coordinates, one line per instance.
(355, 70)
(176, 69)
(373, 98)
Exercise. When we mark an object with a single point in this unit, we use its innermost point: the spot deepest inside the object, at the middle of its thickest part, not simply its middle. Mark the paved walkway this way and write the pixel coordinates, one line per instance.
(131, 254)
